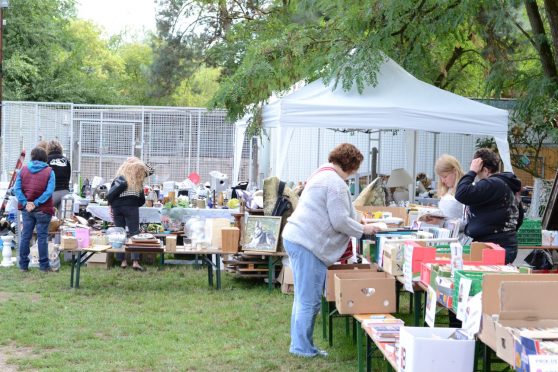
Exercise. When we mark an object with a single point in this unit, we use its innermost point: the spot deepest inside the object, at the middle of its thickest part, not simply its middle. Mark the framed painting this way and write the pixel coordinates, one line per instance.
(261, 233)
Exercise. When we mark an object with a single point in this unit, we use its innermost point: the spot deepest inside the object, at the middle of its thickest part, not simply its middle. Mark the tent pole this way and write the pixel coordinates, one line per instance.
(411, 139)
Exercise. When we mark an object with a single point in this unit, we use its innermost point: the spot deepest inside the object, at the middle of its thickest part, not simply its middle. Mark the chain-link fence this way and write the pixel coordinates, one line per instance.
(97, 139)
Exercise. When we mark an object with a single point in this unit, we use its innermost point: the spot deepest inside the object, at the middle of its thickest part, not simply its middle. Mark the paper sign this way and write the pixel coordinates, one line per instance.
(381, 241)
(473, 316)
(463, 297)
(430, 315)
(543, 363)
(456, 257)
(408, 268)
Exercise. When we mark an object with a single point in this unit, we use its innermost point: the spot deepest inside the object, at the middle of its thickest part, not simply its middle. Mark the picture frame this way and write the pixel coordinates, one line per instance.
(261, 233)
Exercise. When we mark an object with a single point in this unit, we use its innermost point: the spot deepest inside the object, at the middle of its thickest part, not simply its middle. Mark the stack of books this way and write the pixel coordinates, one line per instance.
(383, 329)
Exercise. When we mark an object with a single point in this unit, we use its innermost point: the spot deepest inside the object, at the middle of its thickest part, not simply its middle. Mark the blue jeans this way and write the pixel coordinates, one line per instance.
(309, 274)
(40, 220)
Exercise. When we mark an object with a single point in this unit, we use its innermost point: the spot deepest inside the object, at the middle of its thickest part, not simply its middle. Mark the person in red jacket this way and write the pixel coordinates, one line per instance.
(33, 188)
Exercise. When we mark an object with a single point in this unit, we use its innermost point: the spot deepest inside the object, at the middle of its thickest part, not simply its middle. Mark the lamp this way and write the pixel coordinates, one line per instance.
(400, 179)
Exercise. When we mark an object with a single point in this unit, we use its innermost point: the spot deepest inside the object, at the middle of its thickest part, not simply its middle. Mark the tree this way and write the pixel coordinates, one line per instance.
(480, 48)
(34, 34)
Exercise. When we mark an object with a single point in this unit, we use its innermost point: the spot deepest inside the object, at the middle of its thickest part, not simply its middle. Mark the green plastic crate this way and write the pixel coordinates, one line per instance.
(445, 249)
(530, 233)
(476, 285)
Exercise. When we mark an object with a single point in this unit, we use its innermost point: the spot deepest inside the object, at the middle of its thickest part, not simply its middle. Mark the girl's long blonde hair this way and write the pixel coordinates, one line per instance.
(447, 164)
(134, 171)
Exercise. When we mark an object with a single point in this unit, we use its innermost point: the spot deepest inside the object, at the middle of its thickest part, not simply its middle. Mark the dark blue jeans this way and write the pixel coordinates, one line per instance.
(511, 254)
(127, 217)
(32, 220)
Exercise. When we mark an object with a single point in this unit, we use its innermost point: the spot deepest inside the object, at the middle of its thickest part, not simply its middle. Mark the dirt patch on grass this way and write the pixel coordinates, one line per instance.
(11, 351)
(5, 296)
(33, 297)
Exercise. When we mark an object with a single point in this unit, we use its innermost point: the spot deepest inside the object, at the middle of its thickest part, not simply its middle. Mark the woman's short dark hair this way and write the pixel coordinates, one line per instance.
(39, 154)
(490, 160)
(347, 156)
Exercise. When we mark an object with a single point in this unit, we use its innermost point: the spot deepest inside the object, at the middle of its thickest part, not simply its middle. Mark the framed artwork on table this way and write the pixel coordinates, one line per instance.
(261, 233)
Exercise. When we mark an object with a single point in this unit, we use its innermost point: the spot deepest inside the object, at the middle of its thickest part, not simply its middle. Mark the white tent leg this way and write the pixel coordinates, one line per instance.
(411, 139)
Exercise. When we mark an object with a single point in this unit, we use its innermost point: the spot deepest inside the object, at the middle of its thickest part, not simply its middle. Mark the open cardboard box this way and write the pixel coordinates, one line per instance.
(330, 282)
(364, 292)
(425, 349)
(399, 212)
(524, 305)
(492, 302)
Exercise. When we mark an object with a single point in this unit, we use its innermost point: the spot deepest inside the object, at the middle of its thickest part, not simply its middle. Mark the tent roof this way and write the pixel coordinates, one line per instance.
(398, 101)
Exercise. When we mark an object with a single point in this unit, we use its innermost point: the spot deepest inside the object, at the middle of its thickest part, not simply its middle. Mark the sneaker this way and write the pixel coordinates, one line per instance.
(49, 270)
(24, 270)
(322, 353)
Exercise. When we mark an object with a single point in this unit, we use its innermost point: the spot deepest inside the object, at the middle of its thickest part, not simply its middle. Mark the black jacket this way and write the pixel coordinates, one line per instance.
(127, 198)
(62, 170)
(493, 211)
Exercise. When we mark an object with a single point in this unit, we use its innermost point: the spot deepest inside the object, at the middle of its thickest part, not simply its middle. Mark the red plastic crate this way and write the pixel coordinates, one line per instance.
(481, 254)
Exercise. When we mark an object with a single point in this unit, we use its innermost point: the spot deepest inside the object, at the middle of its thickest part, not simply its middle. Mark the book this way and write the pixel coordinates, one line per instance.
(372, 322)
(385, 329)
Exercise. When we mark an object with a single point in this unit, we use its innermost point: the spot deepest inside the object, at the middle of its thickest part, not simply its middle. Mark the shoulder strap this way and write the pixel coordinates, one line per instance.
(281, 188)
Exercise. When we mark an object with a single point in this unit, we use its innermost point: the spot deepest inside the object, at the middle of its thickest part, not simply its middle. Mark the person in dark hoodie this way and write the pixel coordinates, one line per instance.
(62, 169)
(33, 188)
(494, 212)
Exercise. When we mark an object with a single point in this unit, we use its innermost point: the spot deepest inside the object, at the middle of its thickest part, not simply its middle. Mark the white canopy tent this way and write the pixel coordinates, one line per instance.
(398, 101)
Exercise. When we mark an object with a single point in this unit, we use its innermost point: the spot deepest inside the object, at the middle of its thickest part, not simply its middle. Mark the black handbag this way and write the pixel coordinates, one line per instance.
(116, 188)
(283, 204)
(540, 259)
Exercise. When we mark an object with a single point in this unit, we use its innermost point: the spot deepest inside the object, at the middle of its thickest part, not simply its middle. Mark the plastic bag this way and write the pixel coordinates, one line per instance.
(53, 256)
(540, 259)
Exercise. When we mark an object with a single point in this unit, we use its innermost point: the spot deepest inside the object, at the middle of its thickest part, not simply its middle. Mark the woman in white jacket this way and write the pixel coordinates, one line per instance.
(316, 236)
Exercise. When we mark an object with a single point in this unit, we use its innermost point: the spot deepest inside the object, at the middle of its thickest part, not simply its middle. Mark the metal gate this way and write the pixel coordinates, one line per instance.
(104, 146)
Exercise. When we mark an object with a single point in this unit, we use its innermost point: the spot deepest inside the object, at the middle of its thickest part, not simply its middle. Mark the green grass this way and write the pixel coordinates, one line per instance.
(158, 320)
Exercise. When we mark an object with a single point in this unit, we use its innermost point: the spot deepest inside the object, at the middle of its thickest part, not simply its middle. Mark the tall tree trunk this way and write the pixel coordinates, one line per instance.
(545, 52)
(551, 7)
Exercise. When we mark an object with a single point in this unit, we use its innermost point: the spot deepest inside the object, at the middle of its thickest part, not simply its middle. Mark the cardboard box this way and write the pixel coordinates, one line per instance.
(491, 301)
(286, 279)
(330, 282)
(170, 243)
(392, 261)
(230, 237)
(529, 349)
(68, 243)
(364, 292)
(100, 258)
(426, 349)
(399, 212)
(213, 227)
(524, 305)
